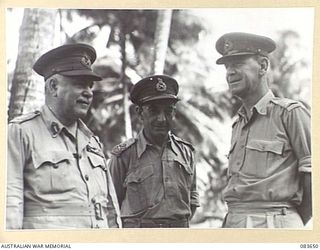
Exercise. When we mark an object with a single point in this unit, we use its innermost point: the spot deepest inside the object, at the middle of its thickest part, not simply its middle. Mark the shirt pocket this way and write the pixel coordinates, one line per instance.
(98, 171)
(53, 173)
(96, 161)
(181, 181)
(184, 173)
(260, 156)
(138, 184)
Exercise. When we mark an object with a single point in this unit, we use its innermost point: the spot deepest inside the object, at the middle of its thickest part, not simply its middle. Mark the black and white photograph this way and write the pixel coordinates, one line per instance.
(158, 118)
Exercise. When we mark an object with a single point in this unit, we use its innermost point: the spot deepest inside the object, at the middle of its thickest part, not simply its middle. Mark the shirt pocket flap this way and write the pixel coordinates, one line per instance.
(96, 160)
(263, 146)
(53, 157)
(139, 175)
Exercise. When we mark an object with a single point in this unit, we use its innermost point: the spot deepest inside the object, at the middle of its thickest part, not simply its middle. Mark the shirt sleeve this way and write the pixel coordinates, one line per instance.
(194, 191)
(15, 167)
(298, 128)
(113, 207)
(117, 171)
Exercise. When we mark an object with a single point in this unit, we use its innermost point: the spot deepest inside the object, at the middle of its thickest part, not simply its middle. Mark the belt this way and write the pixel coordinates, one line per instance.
(63, 209)
(154, 223)
(261, 207)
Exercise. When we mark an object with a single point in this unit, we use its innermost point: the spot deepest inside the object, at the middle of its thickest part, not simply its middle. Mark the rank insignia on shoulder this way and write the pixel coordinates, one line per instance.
(117, 150)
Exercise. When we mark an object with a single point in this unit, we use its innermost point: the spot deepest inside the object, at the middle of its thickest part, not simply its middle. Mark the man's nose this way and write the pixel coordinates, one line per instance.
(230, 70)
(87, 92)
(161, 117)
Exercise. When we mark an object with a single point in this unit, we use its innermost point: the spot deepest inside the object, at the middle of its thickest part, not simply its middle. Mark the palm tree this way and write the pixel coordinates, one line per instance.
(36, 36)
(161, 38)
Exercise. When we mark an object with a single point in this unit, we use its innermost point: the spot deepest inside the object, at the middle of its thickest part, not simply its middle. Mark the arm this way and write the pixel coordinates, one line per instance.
(298, 128)
(114, 219)
(15, 166)
(117, 171)
(305, 208)
(194, 192)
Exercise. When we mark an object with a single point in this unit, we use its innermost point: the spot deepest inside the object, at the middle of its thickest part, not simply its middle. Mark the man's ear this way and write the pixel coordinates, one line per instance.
(139, 112)
(53, 86)
(264, 65)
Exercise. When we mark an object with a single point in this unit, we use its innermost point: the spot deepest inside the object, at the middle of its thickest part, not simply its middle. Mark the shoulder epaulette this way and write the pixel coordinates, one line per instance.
(286, 103)
(117, 150)
(25, 117)
(178, 139)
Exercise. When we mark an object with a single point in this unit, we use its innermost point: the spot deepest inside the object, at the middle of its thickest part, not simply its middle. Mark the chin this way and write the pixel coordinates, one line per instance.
(81, 114)
(161, 135)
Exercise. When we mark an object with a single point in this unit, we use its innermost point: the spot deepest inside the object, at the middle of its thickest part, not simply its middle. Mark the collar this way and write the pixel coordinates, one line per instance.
(55, 126)
(142, 143)
(260, 106)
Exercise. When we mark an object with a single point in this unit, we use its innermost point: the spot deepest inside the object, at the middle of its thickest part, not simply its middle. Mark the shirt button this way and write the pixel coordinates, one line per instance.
(238, 163)
(55, 166)
(93, 200)
(166, 179)
(86, 177)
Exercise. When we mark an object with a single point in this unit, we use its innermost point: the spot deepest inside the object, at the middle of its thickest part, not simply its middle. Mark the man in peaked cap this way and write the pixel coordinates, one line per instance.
(269, 182)
(57, 174)
(154, 174)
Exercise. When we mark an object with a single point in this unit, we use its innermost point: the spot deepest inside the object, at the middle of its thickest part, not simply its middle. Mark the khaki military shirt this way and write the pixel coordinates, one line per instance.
(152, 183)
(268, 150)
(56, 179)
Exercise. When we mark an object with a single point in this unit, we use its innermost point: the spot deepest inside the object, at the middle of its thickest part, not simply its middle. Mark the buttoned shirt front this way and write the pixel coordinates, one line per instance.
(155, 183)
(268, 150)
(57, 179)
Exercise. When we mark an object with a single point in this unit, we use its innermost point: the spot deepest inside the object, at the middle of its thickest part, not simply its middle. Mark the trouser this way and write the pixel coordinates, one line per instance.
(243, 216)
(154, 223)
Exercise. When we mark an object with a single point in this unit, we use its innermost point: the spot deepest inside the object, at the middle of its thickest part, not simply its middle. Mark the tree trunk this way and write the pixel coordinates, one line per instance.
(161, 40)
(36, 37)
(124, 81)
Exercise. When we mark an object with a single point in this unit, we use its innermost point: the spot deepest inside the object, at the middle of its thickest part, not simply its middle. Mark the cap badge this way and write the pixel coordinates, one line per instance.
(161, 86)
(86, 61)
(227, 46)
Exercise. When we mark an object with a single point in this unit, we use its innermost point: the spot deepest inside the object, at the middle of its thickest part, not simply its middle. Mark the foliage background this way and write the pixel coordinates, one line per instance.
(125, 41)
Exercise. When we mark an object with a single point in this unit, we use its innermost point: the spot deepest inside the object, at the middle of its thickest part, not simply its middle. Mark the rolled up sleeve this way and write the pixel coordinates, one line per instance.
(299, 132)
